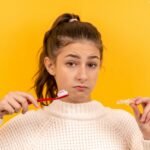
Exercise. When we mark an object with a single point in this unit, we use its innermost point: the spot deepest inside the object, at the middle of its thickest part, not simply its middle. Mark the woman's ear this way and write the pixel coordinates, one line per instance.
(49, 65)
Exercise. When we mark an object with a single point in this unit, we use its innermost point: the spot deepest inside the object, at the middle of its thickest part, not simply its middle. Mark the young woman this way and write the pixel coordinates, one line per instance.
(70, 59)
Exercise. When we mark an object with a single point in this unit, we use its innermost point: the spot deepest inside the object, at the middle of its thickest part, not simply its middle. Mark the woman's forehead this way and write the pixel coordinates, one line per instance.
(79, 50)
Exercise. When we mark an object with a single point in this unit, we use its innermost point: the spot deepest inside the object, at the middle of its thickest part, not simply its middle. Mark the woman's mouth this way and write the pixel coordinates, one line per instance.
(80, 88)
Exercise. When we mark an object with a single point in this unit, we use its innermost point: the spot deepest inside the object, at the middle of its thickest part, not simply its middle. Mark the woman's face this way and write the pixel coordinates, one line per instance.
(76, 70)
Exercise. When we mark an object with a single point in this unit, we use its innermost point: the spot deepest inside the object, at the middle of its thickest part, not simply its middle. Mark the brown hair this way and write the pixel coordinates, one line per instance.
(66, 29)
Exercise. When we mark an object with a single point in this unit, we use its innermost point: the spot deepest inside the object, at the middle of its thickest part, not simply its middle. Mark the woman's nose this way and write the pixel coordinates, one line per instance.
(82, 74)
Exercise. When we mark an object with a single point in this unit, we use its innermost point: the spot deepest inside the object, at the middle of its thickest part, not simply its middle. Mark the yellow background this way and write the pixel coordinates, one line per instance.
(125, 29)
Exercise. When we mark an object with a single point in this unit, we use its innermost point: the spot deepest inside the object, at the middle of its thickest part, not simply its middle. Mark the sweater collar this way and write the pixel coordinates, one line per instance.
(82, 111)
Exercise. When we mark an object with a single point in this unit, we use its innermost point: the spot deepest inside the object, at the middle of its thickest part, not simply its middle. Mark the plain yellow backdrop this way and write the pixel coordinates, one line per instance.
(125, 29)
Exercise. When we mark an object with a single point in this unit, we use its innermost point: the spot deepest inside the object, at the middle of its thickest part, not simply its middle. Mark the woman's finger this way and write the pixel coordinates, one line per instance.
(136, 111)
(135, 99)
(144, 100)
(8, 108)
(145, 112)
(147, 117)
(14, 104)
(30, 98)
(23, 101)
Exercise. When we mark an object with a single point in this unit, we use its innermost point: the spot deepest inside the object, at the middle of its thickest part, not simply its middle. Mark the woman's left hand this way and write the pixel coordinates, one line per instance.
(143, 119)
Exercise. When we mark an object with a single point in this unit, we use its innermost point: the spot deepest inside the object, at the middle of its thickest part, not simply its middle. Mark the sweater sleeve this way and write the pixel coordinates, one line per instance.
(127, 126)
(20, 130)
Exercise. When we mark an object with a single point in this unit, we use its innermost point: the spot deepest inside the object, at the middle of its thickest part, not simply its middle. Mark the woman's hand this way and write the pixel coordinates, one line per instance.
(143, 119)
(13, 102)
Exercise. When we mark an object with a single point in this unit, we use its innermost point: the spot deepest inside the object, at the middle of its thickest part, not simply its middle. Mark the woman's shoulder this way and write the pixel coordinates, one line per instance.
(119, 116)
(122, 121)
(23, 127)
(32, 118)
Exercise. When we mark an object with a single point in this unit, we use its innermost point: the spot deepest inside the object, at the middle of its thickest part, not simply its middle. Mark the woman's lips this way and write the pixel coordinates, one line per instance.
(80, 88)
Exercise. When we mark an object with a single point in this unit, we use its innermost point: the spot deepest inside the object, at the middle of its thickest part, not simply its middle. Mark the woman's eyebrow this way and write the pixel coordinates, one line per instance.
(92, 57)
(78, 57)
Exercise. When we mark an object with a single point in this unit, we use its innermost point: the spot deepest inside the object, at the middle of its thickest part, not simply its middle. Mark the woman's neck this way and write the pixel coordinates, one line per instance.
(79, 111)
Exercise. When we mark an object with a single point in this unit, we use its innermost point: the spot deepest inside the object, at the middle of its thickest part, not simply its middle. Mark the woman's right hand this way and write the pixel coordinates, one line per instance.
(13, 102)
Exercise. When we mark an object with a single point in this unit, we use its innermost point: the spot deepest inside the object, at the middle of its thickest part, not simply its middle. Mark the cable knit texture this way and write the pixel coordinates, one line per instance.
(69, 126)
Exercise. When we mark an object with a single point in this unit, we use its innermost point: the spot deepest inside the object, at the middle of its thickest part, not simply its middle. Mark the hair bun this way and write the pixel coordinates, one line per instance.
(64, 18)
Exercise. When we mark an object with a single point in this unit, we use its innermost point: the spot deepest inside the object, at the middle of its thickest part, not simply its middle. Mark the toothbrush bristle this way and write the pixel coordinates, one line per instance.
(62, 93)
(127, 102)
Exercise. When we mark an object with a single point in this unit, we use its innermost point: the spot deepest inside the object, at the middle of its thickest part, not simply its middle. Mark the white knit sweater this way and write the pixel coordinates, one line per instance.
(68, 126)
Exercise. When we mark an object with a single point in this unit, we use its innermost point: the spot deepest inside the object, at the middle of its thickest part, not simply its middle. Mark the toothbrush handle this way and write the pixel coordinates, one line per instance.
(48, 99)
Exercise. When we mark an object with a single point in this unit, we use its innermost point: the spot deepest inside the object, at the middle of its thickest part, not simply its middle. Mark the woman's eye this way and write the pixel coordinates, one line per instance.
(71, 64)
(92, 65)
